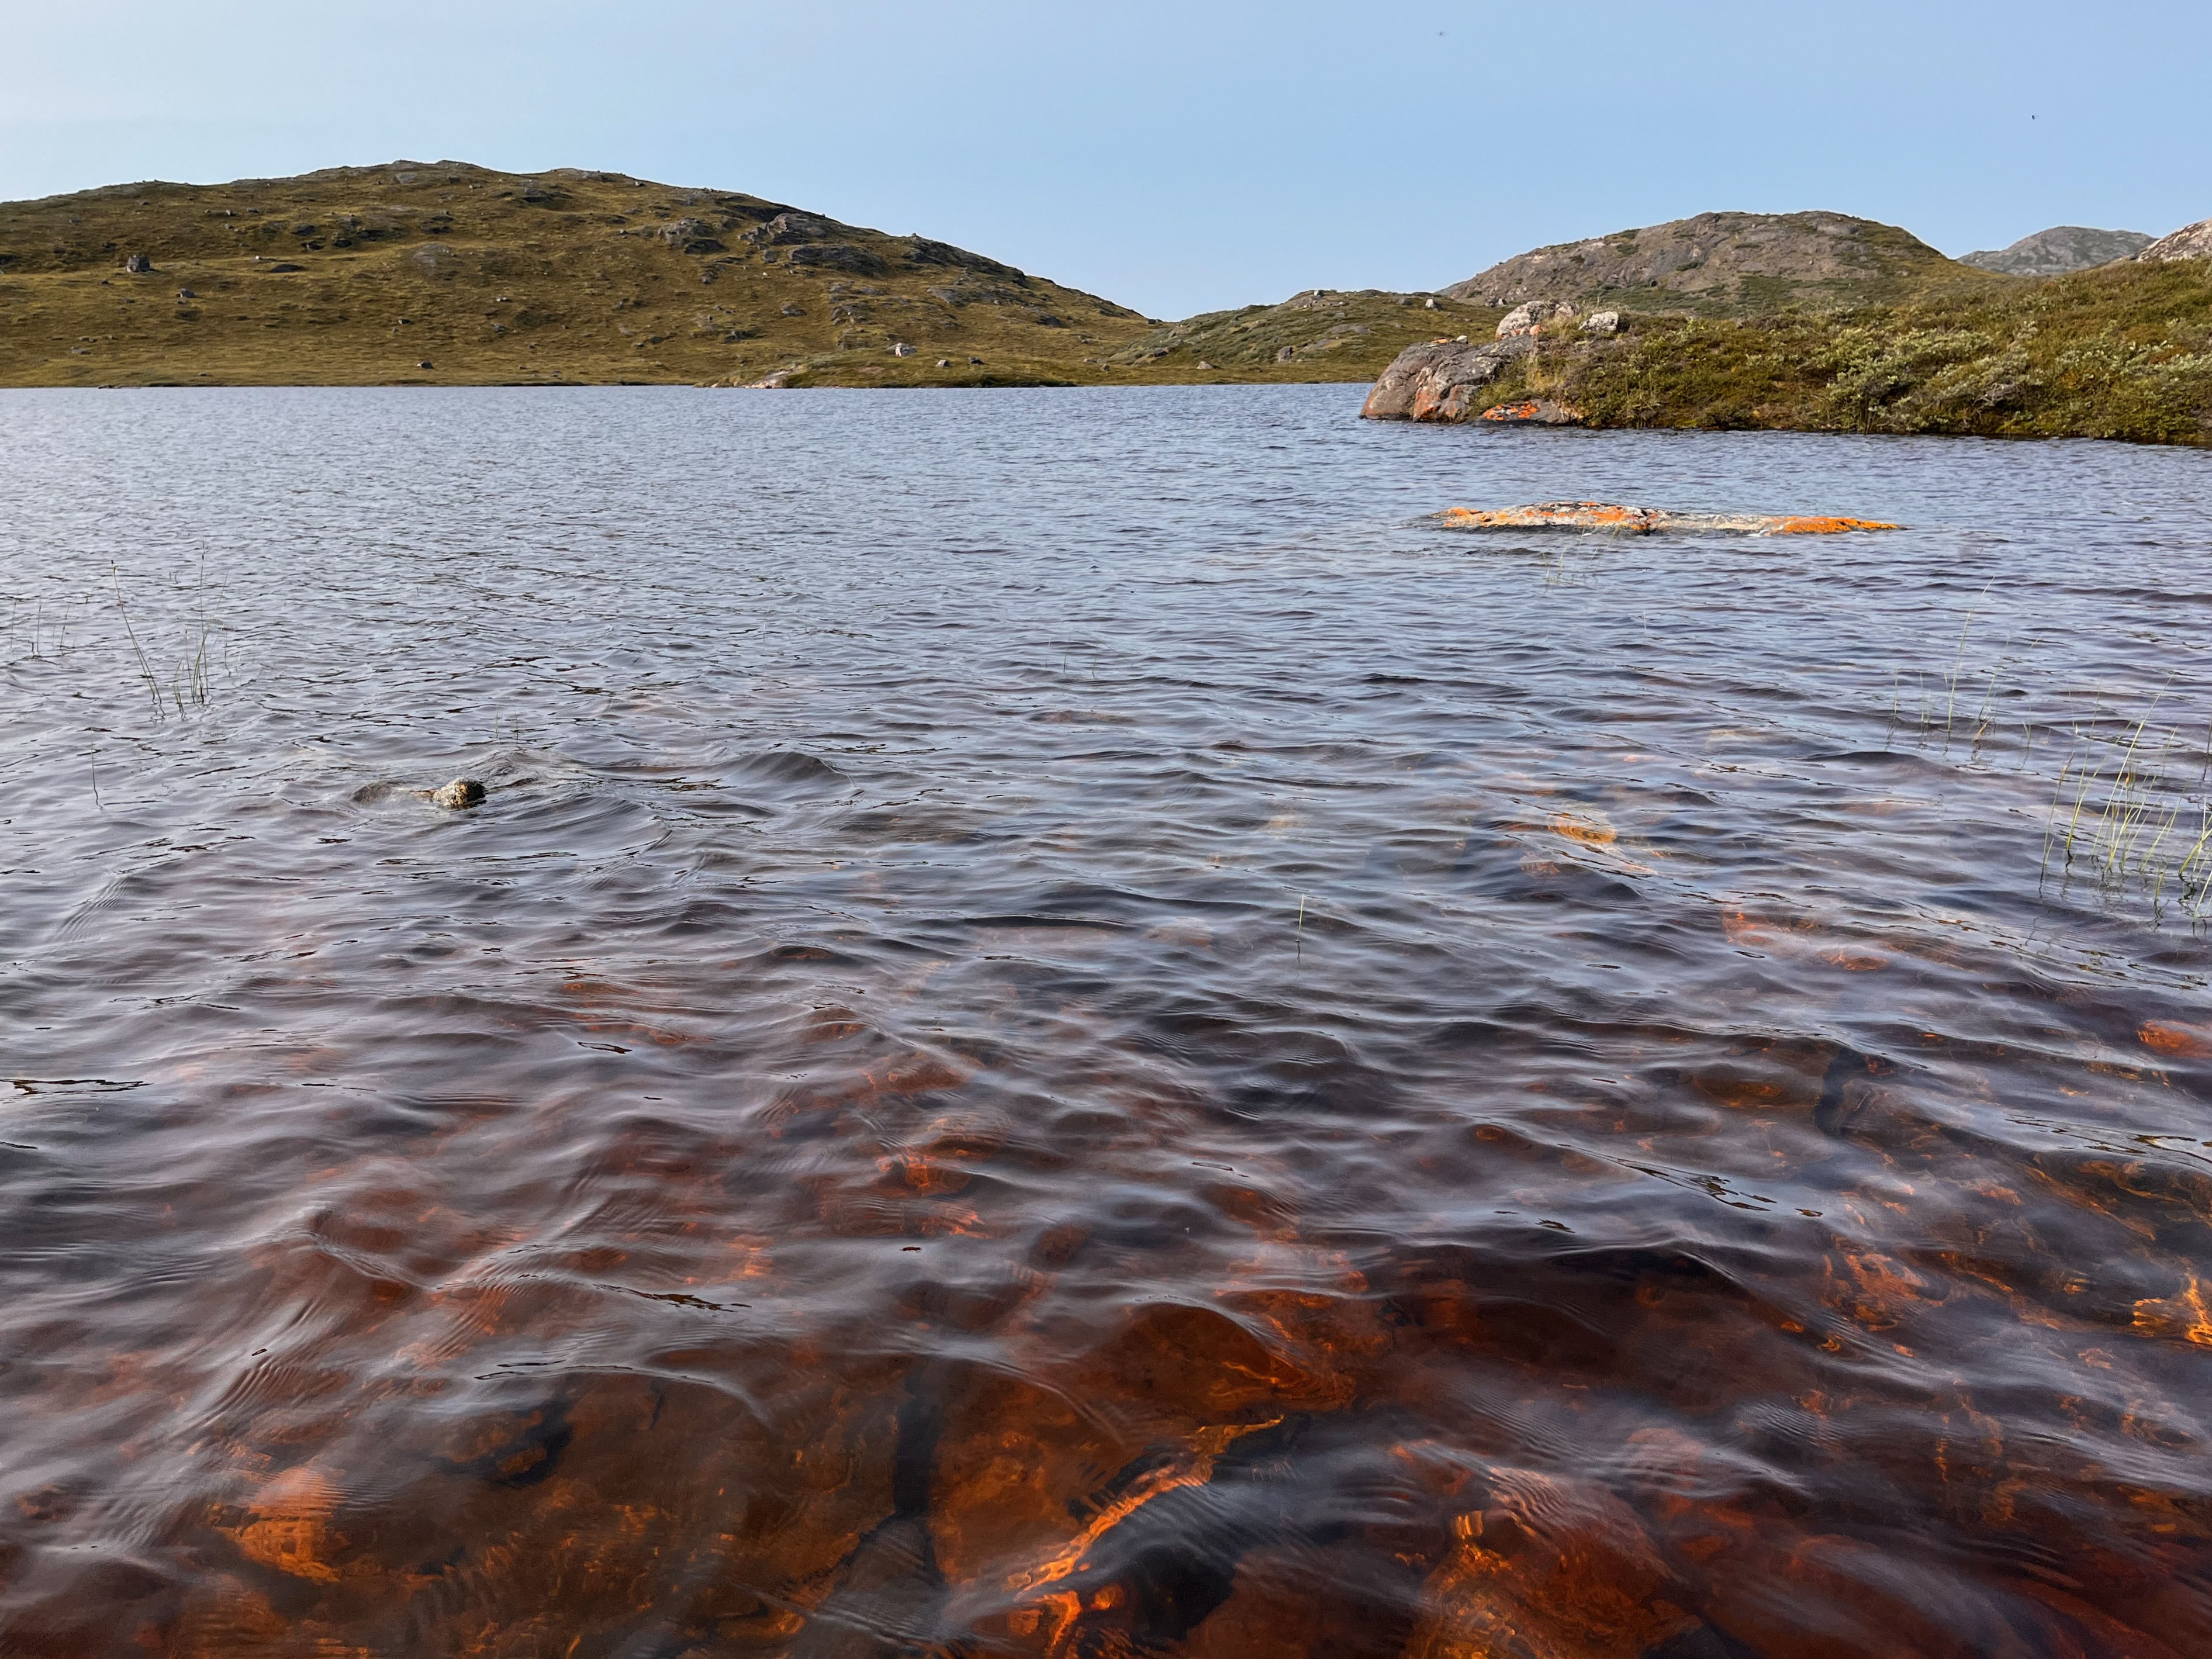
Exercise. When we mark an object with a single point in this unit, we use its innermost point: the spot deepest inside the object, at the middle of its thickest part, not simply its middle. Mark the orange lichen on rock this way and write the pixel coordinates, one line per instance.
(1533, 411)
(1615, 519)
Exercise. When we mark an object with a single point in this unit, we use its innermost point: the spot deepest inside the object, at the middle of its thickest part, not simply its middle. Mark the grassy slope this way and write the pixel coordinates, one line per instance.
(569, 276)
(1320, 335)
(1876, 265)
(575, 277)
(2121, 351)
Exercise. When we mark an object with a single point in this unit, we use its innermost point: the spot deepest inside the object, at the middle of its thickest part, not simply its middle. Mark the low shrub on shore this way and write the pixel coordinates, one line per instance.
(2122, 351)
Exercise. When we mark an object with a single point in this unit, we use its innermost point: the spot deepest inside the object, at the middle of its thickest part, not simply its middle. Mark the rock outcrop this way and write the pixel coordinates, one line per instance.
(2055, 251)
(1442, 380)
(2190, 242)
(1723, 265)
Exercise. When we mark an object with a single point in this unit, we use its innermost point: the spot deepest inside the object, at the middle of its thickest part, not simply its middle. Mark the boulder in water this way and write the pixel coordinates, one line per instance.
(459, 795)
(1438, 379)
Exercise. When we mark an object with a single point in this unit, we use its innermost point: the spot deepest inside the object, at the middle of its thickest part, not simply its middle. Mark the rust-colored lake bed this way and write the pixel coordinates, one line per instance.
(1066, 1030)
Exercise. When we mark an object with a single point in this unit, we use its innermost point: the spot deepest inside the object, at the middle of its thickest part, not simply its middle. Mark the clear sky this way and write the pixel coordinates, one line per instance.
(1177, 156)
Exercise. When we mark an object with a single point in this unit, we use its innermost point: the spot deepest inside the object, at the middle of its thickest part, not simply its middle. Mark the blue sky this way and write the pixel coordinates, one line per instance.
(1176, 157)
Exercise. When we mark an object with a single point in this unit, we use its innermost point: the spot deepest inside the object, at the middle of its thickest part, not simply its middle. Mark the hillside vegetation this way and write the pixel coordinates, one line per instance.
(1731, 264)
(1322, 334)
(2121, 351)
(447, 274)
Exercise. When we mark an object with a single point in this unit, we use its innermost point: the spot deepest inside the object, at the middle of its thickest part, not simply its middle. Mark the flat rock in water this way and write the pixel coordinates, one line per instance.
(1610, 518)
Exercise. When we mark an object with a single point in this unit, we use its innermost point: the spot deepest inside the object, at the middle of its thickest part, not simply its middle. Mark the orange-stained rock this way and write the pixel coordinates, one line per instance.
(1438, 379)
(1611, 519)
(1533, 411)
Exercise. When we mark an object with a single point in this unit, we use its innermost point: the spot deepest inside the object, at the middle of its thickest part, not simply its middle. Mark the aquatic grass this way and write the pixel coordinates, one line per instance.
(2124, 813)
(1958, 665)
(145, 666)
(2122, 819)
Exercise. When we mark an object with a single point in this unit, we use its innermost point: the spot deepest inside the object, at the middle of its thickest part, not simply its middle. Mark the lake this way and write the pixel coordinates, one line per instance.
(1067, 1030)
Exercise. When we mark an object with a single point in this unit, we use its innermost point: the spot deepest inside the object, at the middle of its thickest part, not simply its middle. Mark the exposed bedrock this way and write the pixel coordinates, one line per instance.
(1442, 380)
(2190, 242)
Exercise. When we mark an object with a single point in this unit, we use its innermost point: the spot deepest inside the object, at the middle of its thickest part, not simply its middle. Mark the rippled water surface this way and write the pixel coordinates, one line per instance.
(1066, 1031)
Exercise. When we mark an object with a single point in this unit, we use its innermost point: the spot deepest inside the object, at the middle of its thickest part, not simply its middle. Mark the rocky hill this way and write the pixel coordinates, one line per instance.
(2055, 251)
(449, 274)
(1727, 265)
(2190, 242)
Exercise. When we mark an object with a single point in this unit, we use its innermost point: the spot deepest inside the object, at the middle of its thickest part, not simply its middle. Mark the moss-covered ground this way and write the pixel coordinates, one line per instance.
(2121, 351)
(447, 274)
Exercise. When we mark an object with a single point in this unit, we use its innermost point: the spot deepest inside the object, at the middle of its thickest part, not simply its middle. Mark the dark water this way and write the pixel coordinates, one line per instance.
(1065, 1032)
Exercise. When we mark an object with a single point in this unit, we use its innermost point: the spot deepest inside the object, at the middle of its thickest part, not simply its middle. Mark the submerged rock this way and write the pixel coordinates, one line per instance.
(459, 794)
(1438, 379)
(1610, 518)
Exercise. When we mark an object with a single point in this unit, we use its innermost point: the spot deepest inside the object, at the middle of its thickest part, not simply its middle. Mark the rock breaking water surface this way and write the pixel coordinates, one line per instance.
(1064, 1031)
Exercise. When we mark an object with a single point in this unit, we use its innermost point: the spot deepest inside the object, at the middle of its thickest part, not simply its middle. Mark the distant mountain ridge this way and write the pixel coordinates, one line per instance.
(2055, 251)
(1723, 265)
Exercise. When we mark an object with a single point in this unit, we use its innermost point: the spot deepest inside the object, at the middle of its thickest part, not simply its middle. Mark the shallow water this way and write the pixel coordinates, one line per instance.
(1066, 1030)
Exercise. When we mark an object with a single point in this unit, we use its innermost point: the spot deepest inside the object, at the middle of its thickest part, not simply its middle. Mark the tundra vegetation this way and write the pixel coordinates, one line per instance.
(447, 274)
(2121, 351)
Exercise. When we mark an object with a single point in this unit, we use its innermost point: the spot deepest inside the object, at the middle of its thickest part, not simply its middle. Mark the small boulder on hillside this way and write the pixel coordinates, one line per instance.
(138, 265)
(690, 236)
(2190, 242)
(1530, 318)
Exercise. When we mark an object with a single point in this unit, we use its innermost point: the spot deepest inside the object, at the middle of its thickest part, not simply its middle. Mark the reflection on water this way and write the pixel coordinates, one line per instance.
(1067, 1032)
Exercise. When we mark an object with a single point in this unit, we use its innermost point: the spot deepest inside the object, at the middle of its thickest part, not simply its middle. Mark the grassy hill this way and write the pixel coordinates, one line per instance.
(447, 274)
(1322, 334)
(1732, 265)
(2121, 351)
